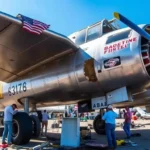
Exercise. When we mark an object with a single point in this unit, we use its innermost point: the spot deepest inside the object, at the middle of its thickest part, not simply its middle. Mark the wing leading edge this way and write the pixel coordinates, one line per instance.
(21, 51)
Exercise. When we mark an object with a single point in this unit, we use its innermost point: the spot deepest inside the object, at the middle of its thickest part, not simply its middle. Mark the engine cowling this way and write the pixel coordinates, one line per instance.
(124, 62)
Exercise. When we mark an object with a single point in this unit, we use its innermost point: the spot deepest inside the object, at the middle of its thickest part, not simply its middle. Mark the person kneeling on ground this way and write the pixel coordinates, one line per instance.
(110, 125)
(8, 117)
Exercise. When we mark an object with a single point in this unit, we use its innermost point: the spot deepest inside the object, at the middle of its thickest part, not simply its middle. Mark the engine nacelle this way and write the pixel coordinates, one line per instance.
(124, 62)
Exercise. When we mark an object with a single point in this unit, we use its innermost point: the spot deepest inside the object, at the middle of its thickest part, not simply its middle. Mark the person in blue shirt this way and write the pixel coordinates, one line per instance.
(8, 118)
(110, 125)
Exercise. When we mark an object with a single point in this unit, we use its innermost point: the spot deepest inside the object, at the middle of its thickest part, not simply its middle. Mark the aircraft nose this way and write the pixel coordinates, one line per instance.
(145, 50)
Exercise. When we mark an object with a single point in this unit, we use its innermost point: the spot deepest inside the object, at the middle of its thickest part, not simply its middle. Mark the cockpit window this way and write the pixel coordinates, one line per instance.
(118, 36)
(80, 39)
(93, 32)
(107, 28)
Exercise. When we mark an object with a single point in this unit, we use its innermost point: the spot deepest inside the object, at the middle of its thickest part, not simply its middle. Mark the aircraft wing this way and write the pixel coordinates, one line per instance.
(21, 51)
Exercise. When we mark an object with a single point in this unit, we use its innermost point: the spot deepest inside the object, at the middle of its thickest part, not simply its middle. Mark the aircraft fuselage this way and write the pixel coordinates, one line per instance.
(66, 80)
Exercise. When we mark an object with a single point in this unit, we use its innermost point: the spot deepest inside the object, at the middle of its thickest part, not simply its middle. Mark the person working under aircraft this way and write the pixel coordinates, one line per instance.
(8, 117)
(110, 124)
(44, 121)
(127, 122)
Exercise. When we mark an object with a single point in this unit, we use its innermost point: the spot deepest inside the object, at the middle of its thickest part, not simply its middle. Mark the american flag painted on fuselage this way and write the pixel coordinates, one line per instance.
(33, 26)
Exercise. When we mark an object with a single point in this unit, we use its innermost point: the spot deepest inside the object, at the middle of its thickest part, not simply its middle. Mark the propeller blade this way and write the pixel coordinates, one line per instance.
(132, 25)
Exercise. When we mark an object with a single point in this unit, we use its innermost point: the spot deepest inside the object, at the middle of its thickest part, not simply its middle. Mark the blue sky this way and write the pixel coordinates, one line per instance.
(68, 16)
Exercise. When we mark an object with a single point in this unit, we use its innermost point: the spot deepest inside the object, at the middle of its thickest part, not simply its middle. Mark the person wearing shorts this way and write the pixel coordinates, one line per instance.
(44, 122)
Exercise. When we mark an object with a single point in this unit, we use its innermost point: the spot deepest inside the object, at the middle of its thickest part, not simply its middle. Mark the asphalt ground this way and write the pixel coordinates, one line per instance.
(141, 143)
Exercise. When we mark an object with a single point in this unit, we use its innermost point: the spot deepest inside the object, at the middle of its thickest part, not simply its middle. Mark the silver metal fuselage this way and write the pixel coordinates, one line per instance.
(63, 81)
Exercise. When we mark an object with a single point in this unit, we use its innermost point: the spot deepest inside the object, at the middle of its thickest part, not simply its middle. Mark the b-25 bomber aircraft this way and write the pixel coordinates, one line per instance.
(96, 66)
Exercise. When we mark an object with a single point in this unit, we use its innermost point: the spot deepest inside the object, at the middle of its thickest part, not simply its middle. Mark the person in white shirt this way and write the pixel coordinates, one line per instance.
(8, 117)
(44, 121)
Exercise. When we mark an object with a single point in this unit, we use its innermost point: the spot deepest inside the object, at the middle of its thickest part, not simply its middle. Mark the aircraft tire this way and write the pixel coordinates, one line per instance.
(36, 126)
(22, 128)
(99, 125)
(1, 131)
(2, 121)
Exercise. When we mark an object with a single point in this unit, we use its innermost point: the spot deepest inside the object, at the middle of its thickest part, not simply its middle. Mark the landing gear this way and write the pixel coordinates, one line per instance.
(99, 124)
(22, 128)
(36, 122)
(25, 127)
(36, 126)
(26, 105)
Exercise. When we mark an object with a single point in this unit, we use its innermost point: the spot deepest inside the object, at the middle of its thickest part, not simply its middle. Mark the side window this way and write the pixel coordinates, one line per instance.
(118, 36)
(93, 33)
(80, 39)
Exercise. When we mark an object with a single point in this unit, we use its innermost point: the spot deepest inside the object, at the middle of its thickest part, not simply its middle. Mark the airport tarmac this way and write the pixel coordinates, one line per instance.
(143, 142)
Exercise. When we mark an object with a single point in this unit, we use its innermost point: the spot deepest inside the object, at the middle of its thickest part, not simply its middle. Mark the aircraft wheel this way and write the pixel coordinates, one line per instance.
(99, 125)
(2, 121)
(36, 126)
(1, 131)
(22, 128)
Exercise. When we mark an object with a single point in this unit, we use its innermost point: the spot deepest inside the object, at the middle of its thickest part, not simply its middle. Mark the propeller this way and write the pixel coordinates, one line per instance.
(132, 25)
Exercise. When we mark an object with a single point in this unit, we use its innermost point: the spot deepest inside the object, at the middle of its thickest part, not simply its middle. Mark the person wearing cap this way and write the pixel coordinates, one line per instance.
(110, 124)
(8, 117)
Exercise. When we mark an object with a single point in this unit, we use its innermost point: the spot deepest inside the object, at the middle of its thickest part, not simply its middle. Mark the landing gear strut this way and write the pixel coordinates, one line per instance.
(26, 105)
(99, 124)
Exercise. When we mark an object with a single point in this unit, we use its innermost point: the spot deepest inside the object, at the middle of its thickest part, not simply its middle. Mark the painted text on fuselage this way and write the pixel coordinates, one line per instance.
(118, 45)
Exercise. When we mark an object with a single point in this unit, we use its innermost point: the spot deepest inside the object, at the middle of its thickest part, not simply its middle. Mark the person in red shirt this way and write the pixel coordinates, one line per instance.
(127, 122)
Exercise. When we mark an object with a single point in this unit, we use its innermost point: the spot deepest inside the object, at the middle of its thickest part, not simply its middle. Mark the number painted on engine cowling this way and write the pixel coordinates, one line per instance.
(17, 88)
